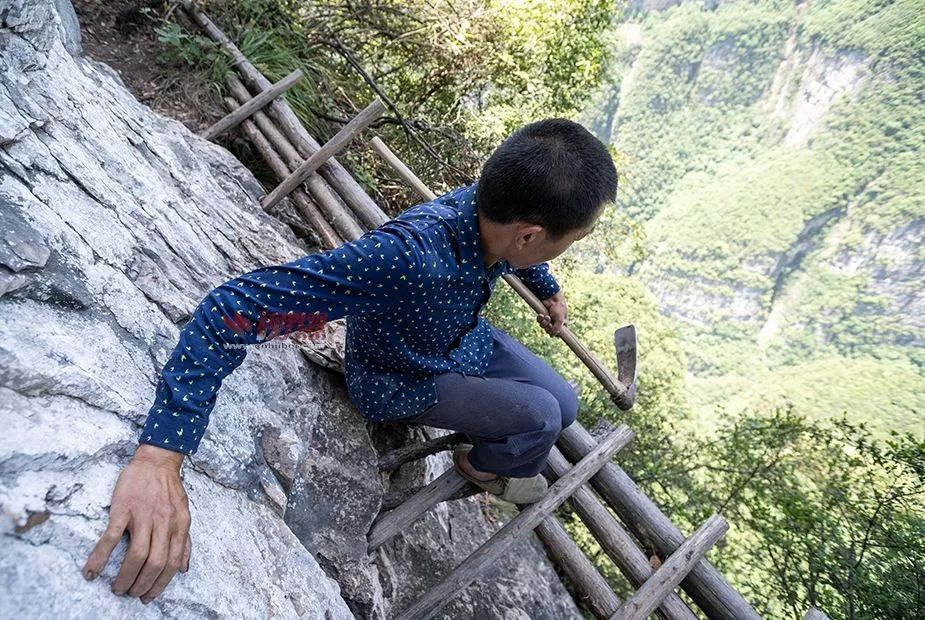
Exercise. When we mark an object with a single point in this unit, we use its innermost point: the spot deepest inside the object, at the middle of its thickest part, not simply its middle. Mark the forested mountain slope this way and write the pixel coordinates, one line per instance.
(774, 154)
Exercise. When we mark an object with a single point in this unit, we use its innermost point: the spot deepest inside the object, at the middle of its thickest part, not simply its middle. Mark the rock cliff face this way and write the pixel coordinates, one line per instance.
(114, 223)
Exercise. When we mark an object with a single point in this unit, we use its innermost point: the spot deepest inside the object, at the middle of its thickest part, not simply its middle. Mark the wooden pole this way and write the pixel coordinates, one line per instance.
(473, 566)
(332, 171)
(393, 499)
(396, 458)
(309, 211)
(593, 590)
(392, 522)
(406, 174)
(328, 202)
(340, 140)
(614, 540)
(617, 391)
(705, 585)
(237, 116)
(670, 574)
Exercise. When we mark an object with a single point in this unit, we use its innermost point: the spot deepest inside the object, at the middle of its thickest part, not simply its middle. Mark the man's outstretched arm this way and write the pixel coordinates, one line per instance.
(366, 276)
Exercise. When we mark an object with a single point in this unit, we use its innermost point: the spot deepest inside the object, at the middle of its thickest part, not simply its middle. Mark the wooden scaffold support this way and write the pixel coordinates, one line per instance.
(305, 206)
(393, 522)
(333, 172)
(592, 588)
(523, 523)
(324, 200)
(343, 137)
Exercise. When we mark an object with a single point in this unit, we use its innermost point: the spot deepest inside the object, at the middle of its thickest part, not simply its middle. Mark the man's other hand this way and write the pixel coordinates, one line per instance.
(150, 503)
(557, 310)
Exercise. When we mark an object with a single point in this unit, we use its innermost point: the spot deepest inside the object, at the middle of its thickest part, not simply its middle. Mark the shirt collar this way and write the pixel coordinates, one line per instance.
(471, 256)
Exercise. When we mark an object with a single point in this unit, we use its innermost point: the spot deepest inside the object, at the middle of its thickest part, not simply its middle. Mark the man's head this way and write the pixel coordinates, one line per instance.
(543, 188)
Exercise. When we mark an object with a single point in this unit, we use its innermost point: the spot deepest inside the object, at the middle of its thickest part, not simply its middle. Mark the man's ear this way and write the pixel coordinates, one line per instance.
(527, 233)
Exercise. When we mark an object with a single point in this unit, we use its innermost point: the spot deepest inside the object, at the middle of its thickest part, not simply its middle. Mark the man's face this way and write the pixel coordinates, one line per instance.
(532, 246)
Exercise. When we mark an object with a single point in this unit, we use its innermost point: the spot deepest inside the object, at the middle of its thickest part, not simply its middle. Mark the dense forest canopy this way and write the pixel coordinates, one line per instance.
(766, 241)
(774, 163)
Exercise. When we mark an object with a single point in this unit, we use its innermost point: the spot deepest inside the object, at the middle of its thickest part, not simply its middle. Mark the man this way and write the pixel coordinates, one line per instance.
(417, 349)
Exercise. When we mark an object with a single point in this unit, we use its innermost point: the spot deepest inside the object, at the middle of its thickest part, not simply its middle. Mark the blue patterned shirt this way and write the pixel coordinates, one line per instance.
(412, 291)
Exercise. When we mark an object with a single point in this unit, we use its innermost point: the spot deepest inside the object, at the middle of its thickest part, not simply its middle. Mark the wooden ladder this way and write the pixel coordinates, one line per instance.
(580, 468)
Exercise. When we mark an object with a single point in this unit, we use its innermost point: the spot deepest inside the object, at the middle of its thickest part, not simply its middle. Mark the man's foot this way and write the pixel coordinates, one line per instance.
(508, 488)
(472, 471)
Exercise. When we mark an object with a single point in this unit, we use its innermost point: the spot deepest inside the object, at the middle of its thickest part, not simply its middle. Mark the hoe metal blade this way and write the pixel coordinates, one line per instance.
(624, 340)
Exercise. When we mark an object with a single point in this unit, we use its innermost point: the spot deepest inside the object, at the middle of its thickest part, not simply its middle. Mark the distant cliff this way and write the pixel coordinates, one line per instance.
(774, 154)
(114, 223)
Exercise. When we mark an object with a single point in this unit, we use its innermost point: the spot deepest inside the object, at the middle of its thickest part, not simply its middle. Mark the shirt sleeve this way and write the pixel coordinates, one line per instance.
(538, 279)
(369, 275)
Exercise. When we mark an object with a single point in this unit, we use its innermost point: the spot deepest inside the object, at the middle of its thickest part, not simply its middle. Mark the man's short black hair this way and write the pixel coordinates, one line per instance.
(551, 172)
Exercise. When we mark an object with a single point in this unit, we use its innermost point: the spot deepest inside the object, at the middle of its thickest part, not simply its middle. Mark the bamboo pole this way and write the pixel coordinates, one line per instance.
(670, 574)
(593, 590)
(309, 211)
(235, 118)
(340, 140)
(614, 540)
(705, 585)
(617, 391)
(473, 566)
(336, 213)
(332, 171)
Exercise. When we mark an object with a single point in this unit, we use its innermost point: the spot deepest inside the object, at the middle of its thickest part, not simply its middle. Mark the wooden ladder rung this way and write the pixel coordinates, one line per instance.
(322, 199)
(396, 458)
(528, 519)
(303, 204)
(337, 179)
(343, 137)
(616, 542)
(236, 117)
(673, 571)
(394, 499)
(447, 486)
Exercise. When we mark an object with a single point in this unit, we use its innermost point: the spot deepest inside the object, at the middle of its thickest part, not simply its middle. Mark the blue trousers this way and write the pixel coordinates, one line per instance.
(513, 413)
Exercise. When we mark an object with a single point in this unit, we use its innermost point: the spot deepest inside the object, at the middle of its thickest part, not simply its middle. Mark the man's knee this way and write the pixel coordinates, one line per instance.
(567, 399)
(568, 404)
(546, 414)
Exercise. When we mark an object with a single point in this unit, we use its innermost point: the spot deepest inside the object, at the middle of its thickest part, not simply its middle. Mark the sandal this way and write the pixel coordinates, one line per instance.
(514, 490)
